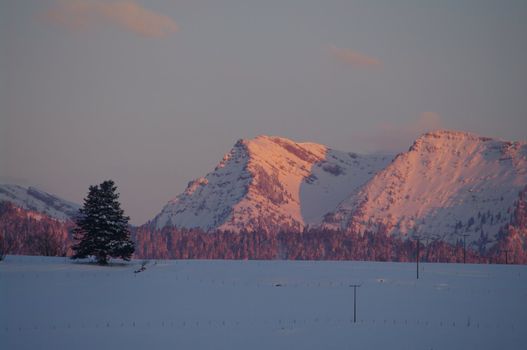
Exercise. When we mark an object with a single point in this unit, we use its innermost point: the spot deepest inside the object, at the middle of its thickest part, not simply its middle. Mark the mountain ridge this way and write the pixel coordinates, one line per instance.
(269, 182)
(448, 184)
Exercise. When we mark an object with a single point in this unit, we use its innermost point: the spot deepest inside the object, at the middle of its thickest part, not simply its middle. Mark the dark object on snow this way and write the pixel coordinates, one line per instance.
(142, 268)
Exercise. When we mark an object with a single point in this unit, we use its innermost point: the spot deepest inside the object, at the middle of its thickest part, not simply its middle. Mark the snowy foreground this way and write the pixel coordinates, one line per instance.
(52, 303)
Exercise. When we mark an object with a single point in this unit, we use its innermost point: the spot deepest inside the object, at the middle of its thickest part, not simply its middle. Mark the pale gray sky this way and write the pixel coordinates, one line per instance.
(152, 93)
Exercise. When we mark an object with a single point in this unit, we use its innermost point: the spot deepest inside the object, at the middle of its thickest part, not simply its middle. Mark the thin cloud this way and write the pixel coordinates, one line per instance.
(396, 137)
(354, 58)
(123, 14)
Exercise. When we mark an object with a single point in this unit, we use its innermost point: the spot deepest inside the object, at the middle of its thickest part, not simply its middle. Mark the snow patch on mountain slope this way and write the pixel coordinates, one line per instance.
(38, 201)
(334, 179)
(270, 182)
(447, 184)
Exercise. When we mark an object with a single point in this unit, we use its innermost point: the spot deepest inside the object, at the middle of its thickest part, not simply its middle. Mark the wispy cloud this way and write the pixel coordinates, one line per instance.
(354, 58)
(396, 137)
(124, 14)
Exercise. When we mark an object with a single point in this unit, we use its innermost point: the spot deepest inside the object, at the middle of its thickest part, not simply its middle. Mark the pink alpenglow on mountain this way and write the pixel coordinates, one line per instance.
(447, 185)
(270, 183)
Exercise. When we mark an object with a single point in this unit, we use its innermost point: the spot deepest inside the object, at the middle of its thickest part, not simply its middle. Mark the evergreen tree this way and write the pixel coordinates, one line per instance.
(102, 228)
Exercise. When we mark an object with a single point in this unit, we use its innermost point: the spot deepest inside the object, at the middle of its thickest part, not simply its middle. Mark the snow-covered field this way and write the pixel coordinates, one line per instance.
(53, 303)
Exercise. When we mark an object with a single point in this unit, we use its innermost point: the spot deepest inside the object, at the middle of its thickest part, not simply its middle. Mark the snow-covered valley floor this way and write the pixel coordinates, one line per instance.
(53, 303)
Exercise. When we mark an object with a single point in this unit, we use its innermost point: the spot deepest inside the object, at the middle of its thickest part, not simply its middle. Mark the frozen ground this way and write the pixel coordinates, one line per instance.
(52, 303)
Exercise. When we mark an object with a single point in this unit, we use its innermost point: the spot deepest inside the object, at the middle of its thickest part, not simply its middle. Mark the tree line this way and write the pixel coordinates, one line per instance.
(102, 231)
(310, 244)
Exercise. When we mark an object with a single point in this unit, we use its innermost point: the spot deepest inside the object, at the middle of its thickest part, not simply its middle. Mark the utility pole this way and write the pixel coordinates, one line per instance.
(417, 259)
(506, 251)
(355, 286)
(464, 248)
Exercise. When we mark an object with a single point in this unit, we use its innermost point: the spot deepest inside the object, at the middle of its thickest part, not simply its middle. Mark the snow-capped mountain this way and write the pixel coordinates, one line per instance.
(447, 185)
(38, 201)
(270, 182)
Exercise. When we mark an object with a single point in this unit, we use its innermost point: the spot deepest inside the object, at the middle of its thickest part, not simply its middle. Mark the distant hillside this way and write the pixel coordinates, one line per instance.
(35, 200)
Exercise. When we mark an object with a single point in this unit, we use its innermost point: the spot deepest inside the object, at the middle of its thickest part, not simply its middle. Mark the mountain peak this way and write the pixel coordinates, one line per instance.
(453, 135)
(449, 183)
(442, 139)
(269, 147)
(449, 133)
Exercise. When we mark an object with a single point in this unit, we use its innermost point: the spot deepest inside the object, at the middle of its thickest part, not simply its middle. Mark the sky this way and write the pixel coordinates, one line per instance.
(153, 93)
